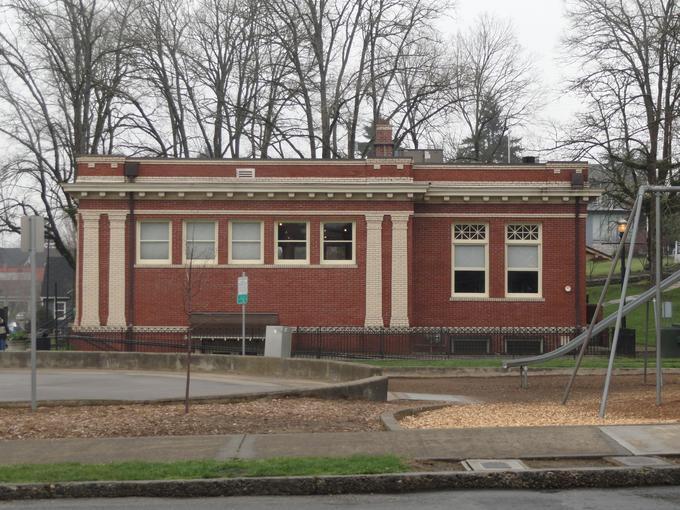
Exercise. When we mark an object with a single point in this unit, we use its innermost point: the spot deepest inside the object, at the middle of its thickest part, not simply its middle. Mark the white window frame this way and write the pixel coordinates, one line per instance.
(473, 242)
(140, 260)
(231, 244)
(60, 310)
(287, 262)
(185, 259)
(539, 270)
(322, 258)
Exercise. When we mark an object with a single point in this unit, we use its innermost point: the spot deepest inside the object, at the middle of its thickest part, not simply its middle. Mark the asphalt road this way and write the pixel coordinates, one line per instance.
(652, 498)
(15, 385)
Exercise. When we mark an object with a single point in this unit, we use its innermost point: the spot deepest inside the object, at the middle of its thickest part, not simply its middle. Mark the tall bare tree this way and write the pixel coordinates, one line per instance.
(62, 64)
(492, 81)
(628, 52)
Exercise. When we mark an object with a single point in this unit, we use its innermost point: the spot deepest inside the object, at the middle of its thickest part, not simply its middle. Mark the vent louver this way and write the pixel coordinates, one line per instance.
(245, 173)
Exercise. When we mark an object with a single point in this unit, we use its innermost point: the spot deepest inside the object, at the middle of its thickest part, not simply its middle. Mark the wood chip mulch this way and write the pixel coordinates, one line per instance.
(505, 404)
(256, 417)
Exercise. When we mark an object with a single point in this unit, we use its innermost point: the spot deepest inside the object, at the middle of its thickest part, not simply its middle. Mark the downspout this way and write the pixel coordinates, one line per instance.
(577, 264)
(132, 240)
(131, 266)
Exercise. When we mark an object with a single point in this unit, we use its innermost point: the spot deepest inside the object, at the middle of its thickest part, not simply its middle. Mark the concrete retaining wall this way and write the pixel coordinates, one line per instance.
(348, 380)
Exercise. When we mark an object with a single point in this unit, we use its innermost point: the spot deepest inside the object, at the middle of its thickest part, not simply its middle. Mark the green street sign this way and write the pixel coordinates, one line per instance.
(242, 299)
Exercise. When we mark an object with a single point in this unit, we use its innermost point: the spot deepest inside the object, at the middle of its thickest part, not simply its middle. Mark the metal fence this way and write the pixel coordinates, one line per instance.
(438, 343)
(354, 343)
(158, 342)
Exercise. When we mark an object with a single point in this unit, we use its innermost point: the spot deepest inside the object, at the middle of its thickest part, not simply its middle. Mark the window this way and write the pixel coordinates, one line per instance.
(337, 243)
(291, 242)
(246, 242)
(523, 259)
(154, 242)
(199, 241)
(470, 255)
(60, 313)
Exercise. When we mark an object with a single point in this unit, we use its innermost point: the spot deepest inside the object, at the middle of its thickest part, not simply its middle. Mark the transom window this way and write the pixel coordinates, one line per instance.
(522, 232)
(338, 242)
(470, 257)
(154, 241)
(523, 259)
(199, 241)
(246, 242)
(292, 242)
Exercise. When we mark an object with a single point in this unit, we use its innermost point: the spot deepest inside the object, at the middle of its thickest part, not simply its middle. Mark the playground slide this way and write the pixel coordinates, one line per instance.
(598, 328)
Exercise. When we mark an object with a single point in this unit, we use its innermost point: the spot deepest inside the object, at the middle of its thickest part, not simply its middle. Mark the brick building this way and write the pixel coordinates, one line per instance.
(379, 242)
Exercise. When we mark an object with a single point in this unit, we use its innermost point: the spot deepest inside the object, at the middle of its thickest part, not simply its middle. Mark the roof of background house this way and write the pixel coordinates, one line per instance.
(61, 274)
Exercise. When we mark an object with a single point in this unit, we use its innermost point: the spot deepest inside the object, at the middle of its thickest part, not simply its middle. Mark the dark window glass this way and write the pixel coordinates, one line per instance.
(292, 251)
(292, 231)
(337, 231)
(337, 241)
(292, 241)
(471, 282)
(523, 282)
(337, 251)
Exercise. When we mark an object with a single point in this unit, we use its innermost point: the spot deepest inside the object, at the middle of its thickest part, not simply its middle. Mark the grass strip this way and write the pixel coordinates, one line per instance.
(198, 469)
(588, 362)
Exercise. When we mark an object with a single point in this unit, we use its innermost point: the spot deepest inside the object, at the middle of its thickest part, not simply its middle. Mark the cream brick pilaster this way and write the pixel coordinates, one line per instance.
(117, 269)
(374, 270)
(399, 312)
(90, 264)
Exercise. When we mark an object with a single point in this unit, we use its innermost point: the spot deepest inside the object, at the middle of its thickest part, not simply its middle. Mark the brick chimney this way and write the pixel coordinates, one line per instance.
(383, 146)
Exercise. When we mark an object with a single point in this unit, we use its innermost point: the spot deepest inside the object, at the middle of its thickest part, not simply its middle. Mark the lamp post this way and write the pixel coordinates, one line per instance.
(621, 228)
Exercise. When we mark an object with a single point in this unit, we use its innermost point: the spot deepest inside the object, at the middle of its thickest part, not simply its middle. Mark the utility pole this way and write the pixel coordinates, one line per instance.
(33, 241)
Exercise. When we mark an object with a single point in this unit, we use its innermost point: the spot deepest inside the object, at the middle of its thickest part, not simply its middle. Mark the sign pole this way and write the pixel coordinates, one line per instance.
(34, 403)
(242, 299)
(32, 242)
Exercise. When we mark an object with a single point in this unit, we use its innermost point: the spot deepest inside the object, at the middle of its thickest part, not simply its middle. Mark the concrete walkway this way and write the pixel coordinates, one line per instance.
(484, 443)
(85, 384)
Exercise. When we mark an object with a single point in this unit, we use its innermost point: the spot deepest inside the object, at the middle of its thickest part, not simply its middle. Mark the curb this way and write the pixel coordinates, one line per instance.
(437, 372)
(390, 420)
(555, 479)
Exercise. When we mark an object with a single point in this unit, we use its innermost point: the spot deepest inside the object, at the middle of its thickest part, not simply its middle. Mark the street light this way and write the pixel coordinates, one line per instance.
(621, 228)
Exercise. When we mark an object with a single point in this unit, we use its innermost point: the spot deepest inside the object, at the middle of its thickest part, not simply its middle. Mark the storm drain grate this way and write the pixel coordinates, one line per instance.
(494, 465)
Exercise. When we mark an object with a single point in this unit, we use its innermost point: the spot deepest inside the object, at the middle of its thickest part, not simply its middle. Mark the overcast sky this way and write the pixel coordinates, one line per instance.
(539, 25)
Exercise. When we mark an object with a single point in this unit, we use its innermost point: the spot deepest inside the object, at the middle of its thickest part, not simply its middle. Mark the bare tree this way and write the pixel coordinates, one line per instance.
(197, 249)
(629, 54)
(491, 80)
(61, 68)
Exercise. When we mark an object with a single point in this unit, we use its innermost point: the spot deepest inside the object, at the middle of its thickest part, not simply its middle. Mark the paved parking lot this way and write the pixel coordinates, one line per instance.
(15, 385)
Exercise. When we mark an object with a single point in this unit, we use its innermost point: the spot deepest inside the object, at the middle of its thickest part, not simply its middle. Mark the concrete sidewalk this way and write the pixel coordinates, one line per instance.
(484, 443)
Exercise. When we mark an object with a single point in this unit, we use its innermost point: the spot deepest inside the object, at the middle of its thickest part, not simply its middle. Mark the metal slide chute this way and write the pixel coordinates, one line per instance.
(601, 326)
(623, 309)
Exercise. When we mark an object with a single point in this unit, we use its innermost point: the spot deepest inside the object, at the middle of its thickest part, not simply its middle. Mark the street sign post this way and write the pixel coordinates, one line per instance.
(242, 299)
(33, 241)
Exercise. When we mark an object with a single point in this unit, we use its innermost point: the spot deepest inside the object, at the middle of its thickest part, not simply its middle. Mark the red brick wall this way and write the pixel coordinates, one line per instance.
(294, 168)
(303, 296)
(432, 276)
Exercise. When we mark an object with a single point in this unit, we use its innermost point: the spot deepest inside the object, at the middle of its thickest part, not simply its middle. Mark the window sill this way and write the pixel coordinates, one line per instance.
(499, 299)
